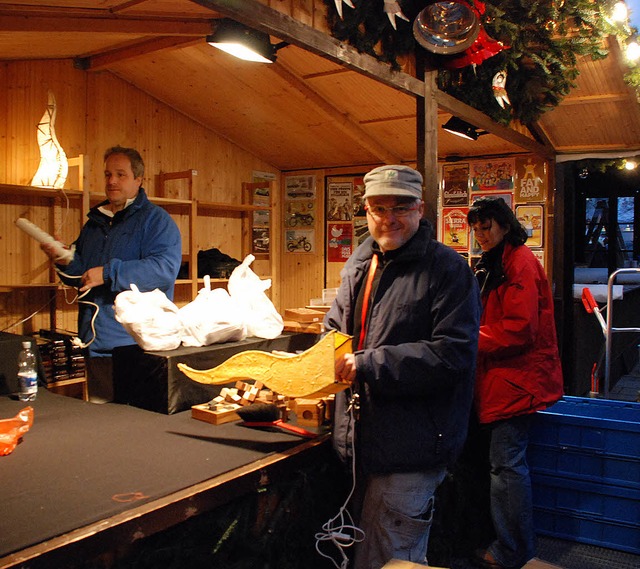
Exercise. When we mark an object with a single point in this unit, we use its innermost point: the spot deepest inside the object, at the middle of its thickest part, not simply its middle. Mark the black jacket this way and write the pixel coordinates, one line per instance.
(415, 373)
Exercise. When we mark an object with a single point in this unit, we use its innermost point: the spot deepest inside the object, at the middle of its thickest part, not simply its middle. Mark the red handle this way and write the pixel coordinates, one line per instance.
(588, 301)
(297, 430)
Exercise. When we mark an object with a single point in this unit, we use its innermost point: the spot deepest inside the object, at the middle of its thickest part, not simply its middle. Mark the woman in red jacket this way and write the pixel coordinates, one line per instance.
(518, 372)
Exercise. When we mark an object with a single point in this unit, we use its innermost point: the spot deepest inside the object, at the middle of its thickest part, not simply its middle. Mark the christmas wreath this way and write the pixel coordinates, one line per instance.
(541, 42)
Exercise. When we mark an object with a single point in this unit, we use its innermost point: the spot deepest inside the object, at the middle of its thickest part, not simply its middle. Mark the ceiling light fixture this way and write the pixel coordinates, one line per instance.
(462, 128)
(242, 42)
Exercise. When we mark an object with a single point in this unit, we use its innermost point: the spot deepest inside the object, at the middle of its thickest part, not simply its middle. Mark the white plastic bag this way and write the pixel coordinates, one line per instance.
(260, 315)
(212, 317)
(150, 317)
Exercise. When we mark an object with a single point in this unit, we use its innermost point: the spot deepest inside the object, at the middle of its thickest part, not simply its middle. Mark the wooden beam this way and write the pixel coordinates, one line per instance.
(146, 26)
(341, 120)
(602, 149)
(427, 140)
(104, 59)
(603, 98)
(480, 120)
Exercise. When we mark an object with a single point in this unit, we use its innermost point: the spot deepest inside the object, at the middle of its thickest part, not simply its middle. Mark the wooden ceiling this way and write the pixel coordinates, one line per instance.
(307, 110)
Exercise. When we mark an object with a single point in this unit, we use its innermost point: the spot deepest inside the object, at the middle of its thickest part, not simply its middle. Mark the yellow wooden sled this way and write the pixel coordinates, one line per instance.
(311, 373)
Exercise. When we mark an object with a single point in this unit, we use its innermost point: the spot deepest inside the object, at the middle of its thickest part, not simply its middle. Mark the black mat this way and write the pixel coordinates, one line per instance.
(83, 462)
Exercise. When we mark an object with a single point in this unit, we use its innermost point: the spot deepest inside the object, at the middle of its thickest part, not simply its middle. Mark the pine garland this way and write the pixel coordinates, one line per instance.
(545, 38)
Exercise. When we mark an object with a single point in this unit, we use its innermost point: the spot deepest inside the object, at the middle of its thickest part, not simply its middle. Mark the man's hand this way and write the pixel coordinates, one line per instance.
(51, 251)
(92, 278)
(346, 368)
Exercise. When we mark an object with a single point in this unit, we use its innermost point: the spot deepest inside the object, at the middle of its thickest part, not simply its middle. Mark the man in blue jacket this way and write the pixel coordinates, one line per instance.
(126, 240)
(413, 307)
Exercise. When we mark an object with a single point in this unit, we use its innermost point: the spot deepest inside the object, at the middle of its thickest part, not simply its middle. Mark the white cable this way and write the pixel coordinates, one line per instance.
(27, 226)
(341, 530)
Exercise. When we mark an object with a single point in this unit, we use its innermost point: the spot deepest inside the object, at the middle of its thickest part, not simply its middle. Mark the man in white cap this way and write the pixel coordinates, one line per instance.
(413, 308)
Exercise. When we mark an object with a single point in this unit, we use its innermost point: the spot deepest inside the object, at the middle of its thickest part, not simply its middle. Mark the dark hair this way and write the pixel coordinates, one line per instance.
(137, 165)
(487, 208)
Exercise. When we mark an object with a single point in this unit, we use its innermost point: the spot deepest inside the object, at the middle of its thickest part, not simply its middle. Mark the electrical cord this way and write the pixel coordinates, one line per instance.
(76, 341)
(28, 317)
(341, 530)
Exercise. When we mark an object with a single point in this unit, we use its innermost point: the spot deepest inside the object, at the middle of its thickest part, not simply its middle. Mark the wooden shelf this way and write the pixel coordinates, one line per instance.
(12, 287)
(169, 201)
(17, 190)
(218, 206)
(65, 387)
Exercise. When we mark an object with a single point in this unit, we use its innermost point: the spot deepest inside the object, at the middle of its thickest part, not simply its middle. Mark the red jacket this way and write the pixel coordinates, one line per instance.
(518, 369)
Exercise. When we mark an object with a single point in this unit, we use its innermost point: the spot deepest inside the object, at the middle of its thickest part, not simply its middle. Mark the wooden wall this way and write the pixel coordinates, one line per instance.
(95, 111)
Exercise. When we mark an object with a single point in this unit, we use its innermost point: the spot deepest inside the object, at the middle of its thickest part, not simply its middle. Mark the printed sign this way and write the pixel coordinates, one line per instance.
(531, 180)
(455, 229)
(455, 185)
(339, 242)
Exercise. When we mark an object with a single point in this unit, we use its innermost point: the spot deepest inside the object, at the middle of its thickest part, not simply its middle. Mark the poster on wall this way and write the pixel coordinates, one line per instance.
(339, 201)
(299, 241)
(360, 230)
(539, 254)
(531, 180)
(260, 220)
(506, 196)
(260, 241)
(492, 175)
(455, 185)
(339, 242)
(531, 216)
(455, 229)
(300, 187)
(299, 213)
(258, 176)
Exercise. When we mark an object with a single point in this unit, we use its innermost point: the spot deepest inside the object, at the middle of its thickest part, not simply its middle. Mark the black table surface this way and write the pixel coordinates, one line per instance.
(81, 462)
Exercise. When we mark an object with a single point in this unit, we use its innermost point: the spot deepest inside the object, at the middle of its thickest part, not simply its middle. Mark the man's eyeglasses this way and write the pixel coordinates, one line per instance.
(380, 211)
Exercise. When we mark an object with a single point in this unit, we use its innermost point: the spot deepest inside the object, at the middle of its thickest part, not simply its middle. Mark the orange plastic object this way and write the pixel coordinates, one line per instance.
(12, 429)
(588, 301)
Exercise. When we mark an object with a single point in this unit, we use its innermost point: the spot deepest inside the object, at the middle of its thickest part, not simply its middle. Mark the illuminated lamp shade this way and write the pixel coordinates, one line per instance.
(446, 28)
(462, 128)
(54, 166)
(242, 42)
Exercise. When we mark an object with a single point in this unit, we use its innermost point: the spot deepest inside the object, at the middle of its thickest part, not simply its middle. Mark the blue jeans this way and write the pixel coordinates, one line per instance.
(396, 517)
(511, 503)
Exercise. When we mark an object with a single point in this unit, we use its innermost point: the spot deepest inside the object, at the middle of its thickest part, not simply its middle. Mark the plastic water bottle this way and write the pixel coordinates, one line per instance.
(27, 373)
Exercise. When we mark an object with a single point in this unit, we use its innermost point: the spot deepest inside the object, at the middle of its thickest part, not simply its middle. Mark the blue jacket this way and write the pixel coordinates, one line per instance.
(140, 244)
(415, 374)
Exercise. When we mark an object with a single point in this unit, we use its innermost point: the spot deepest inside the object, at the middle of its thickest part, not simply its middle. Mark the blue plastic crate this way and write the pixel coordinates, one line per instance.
(587, 512)
(588, 439)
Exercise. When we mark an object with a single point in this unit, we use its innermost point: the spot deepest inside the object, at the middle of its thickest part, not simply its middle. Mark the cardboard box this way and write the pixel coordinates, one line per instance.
(304, 315)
